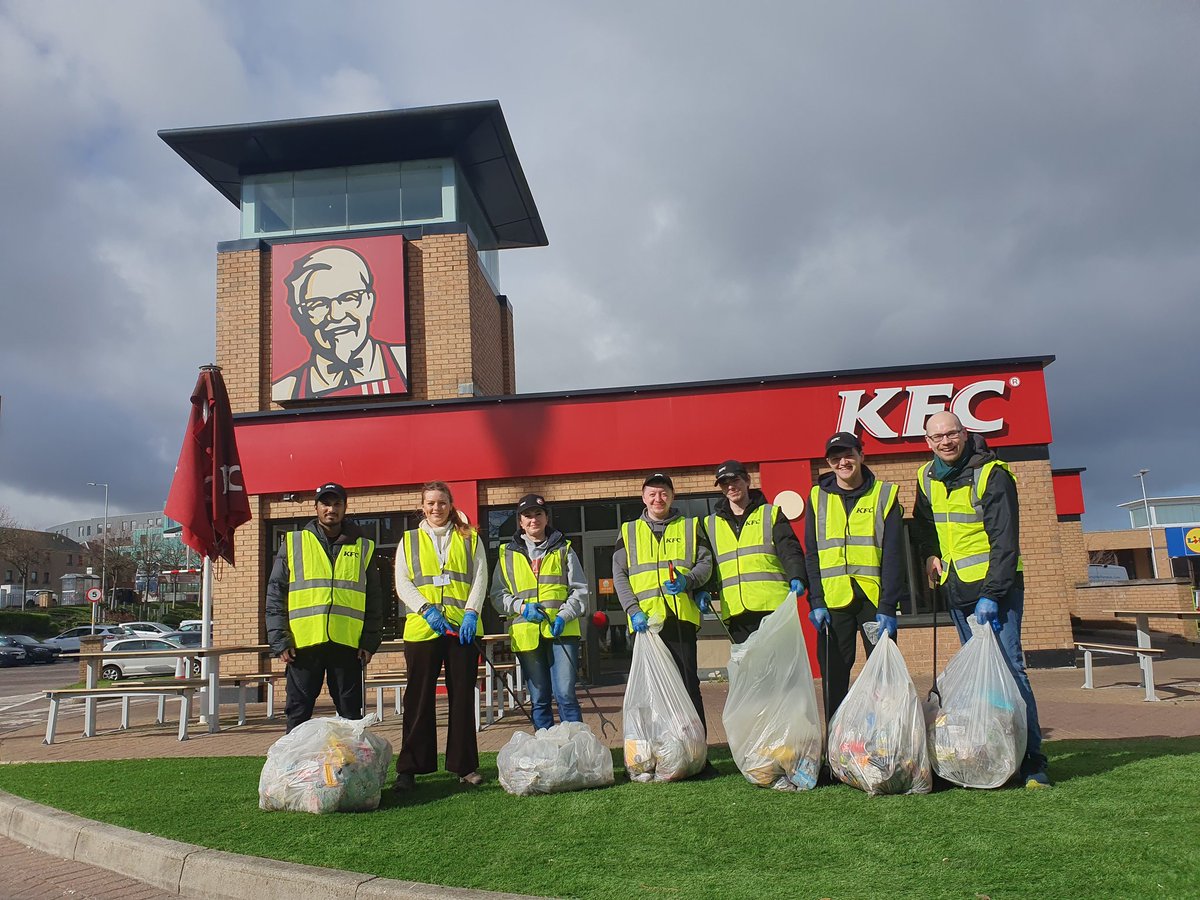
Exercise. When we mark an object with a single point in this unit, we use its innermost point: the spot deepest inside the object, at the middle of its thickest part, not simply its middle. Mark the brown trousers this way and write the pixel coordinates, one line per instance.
(418, 748)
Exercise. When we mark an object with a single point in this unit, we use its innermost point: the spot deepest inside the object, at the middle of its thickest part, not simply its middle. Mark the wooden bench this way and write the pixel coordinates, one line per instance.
(184, 691)
(1145, 656)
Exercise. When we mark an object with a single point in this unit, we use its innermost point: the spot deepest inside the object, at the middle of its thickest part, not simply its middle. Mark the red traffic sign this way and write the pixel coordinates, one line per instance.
(95, 595)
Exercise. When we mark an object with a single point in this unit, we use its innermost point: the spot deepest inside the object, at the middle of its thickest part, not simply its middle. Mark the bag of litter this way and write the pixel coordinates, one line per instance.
(664, 740)
(563, 757)
(771, 717)
(326, 765)
(877, 740)
(977, 736)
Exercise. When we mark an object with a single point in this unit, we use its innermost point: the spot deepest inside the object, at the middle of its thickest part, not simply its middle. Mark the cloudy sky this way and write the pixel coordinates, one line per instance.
(790, 187)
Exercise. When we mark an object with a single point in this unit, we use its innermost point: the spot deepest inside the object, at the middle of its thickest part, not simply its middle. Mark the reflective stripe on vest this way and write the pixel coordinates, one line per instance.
(327, 601)
(850, 549)
(958, 517)
(648, 559)
(424, 568)
(752, 577)
(549, 587)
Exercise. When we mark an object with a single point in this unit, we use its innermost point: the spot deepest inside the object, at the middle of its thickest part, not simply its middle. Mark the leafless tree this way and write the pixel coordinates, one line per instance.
(23, 551)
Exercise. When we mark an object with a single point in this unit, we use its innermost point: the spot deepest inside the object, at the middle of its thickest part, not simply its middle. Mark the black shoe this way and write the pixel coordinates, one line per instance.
(404, 783)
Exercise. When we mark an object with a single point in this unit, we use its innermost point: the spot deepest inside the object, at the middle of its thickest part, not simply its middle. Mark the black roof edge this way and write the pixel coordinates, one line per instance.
(1043, 361)
(1077, 470)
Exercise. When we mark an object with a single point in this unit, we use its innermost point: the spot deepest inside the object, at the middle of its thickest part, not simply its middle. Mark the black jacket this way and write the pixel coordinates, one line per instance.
(1001, 523)
(891, 588)
(787, 545)
(279, 635)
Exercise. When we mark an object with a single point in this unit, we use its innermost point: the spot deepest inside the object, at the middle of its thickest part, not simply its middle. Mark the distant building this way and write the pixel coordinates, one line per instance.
(34, 564)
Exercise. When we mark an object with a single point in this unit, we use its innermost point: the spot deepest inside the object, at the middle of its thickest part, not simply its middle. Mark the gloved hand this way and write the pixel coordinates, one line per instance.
(466, 631)
(819, 616)
(886, 623)
(434, 618)
(797, 586)
(988, 612)
(556, 629)
(704, 601)
(674, 586)
(639, 622)
(533, 613)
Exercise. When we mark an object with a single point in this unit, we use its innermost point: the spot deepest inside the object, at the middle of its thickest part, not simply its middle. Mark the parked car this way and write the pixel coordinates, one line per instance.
(36, 651)
(123, 667)
(11, 653)
(68, 641)
(149, 629)
(184, 638)
(191, 625)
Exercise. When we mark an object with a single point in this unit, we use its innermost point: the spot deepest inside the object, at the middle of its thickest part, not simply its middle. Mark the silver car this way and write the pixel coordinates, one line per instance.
(68, 641)
(122, 667)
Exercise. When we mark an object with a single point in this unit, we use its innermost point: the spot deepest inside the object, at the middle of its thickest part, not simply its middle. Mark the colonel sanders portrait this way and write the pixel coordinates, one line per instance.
(331, 297)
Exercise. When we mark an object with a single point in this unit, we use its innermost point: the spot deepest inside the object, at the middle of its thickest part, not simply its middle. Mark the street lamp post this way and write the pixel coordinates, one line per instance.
(103, 547)
(1141, 476)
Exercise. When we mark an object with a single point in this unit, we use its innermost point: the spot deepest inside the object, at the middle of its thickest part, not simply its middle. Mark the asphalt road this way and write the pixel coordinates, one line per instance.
(21, 699)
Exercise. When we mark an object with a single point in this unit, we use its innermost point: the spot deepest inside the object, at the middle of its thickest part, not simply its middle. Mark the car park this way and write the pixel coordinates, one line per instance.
(11, 653)
(36, 651)
(68, 641)
(149, 629)
(114, 668)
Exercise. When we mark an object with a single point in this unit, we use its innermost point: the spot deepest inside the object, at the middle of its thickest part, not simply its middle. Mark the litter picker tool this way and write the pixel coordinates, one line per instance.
(933, 688)
(599, 620)
(495, 674)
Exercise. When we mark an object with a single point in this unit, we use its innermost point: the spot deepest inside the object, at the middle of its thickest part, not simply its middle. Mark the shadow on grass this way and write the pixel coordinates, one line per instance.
(1085, 758)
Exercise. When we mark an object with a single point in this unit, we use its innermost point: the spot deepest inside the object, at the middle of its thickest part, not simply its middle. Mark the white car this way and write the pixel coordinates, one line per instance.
(122, 667)
(192, 624)
(68, 641)
(149, 629)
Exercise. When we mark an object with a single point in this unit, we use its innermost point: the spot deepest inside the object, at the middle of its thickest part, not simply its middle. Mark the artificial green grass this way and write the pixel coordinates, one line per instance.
(1122, 821)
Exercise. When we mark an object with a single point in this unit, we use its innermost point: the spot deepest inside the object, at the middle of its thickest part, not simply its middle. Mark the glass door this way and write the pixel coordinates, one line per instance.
(608, 649)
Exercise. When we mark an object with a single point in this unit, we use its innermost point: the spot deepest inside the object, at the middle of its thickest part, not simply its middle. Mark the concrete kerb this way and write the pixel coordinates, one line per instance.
(193, 871)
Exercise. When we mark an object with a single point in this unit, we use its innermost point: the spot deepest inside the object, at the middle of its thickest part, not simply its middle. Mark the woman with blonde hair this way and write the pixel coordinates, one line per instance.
(441, 579)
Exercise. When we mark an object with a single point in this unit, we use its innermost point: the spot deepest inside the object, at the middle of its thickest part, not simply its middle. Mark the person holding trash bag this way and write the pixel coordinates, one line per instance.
(541, 586)
(441, 578)
(324, 609)
(854, 538)
(966, 524)
(660, 564)
(758, 558)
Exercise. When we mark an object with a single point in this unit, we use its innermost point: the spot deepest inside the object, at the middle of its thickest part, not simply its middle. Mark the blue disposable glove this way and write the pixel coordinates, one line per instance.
(988, 612)
(639, 622)
(466, 631)
(556, 629)
(675, 586)
(704, 601)
(886, 623)
(533, 613)
(797, 586)
(819, 616)
(433, 616)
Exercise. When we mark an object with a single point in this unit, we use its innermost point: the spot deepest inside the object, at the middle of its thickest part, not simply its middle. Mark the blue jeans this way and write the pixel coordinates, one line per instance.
(1011, 610)
(553, 663)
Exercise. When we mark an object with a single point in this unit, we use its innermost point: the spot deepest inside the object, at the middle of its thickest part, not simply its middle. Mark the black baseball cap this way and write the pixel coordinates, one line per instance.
(532, 501)
(843, 440)
(659, 478)
(731, 468)
(334, 488)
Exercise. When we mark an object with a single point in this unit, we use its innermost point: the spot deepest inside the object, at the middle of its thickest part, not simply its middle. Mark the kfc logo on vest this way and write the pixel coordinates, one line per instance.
(869, 407)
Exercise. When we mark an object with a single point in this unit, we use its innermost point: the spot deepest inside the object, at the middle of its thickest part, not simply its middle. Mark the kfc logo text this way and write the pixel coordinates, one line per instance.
(867, 407)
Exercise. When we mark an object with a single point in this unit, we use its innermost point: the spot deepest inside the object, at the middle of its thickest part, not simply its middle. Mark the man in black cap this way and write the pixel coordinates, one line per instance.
(660, 565)
(758, 557)
(854, 534)
(325, 609)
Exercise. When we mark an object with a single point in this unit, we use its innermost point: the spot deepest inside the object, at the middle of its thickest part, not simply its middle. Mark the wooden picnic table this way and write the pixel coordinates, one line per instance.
(1141, 619)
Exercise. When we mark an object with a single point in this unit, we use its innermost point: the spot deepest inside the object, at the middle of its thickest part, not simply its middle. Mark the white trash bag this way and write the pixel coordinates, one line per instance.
(771, 716)
(563, 757)
(664, 740)
(877, 740)
(326, 765)
(977, 736)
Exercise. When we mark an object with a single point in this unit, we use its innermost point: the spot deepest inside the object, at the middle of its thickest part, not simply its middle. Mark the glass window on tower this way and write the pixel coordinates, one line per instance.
(267, 204)
(320, 199)
(421, 191)
(373, 194)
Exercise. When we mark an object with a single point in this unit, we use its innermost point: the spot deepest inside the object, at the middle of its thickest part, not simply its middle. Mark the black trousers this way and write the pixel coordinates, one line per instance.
(744, 624)
(845, 627)
(680, 638)
(313, 666)
(418, 737)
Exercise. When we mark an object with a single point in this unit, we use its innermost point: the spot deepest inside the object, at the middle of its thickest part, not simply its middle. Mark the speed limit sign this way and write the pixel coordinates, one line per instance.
(94, 595)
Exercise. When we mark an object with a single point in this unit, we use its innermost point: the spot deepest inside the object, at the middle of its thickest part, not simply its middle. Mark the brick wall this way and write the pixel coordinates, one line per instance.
(1094, 603)
(1074, 558)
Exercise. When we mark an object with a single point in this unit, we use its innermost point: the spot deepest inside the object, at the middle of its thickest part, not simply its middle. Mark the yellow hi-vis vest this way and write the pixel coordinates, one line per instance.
(850, 548)
(426, 571)
(548, 587)
(752, 577)
(958, 517)
(648, 559)
(327, 601)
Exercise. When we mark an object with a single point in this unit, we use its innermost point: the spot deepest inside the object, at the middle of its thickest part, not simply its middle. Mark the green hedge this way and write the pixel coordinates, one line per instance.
(34, 624)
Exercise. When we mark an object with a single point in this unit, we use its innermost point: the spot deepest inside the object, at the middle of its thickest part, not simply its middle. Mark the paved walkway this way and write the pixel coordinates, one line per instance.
(30, 875)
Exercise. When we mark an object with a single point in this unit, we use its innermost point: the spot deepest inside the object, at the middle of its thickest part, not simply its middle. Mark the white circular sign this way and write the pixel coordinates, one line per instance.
(791, 503)
(94, 595)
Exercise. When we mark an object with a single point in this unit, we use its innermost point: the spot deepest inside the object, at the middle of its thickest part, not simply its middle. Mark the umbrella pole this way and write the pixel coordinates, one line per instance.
(206, 637)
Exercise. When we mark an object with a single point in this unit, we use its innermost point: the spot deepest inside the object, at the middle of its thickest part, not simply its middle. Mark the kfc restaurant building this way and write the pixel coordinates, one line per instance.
(363, 339)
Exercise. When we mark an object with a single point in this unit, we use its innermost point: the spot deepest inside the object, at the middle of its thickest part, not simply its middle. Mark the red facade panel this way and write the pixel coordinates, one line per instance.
(1068, 493)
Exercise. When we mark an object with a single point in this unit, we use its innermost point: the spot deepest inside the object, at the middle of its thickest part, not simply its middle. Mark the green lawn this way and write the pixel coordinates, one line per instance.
(1123, 821)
